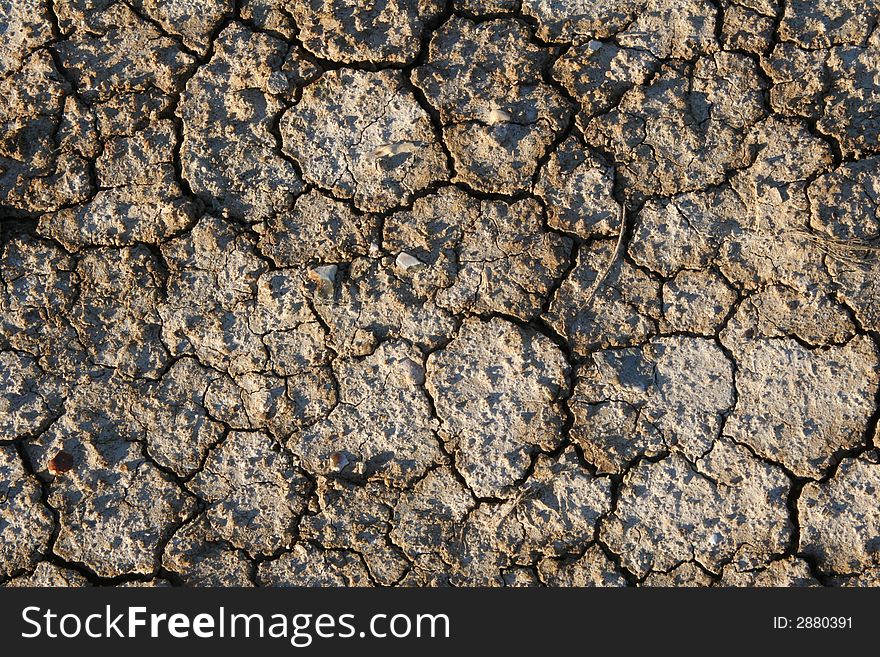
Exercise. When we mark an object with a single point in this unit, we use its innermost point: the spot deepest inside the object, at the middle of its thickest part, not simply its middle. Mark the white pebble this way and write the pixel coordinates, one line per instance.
(324, 274)
(387, 150)
(406, 261)
(496, 116)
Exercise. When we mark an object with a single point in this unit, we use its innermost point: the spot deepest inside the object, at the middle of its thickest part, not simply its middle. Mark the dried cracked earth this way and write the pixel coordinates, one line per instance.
(419, 292)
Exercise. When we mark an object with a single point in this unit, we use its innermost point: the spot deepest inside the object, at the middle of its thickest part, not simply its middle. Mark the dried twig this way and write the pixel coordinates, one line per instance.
(618, 252)
(852, 251)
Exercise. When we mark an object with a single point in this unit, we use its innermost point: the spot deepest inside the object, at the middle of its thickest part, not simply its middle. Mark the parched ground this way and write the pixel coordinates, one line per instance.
(419, 292)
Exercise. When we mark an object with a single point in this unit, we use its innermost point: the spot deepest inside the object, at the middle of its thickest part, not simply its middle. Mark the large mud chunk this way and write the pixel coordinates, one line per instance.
(685, 129)
(499, 116)
(672, 394)
(192, 21)
(565, 20)
(727, 506)
(839, 518)
(352, 31)
(253, 491)
(800, 407)
(822, 23)
(576, 186)
(477, 256)
(115, 507)
(229, 154)
(25, 522)
(46, 139)
(605, 301)
(497, 389)
(201, 557)
(364, 136)
(382, 427)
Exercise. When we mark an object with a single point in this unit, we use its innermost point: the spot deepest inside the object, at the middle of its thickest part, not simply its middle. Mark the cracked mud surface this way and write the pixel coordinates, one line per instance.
(426, 292)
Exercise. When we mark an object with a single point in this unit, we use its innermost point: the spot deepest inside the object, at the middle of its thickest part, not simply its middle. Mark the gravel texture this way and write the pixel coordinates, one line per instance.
(439, 292)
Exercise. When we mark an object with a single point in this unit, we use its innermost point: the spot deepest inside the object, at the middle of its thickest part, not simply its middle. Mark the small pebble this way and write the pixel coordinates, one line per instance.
(324, 274)
(388, 150)
(414, 371)
(60, 463)
(338, 460)
(406, 261)
(496, 116)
